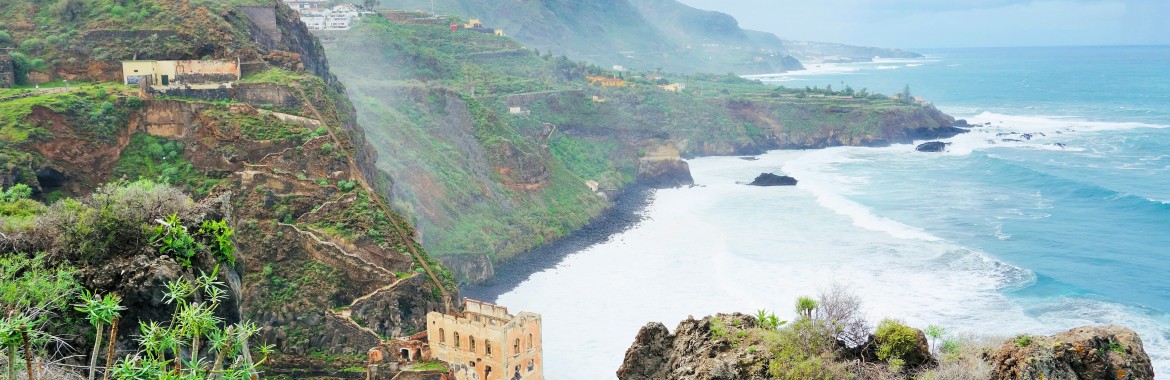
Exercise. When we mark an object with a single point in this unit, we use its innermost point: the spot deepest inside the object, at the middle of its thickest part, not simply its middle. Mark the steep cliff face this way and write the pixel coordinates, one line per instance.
(496, 150)
(324, 266)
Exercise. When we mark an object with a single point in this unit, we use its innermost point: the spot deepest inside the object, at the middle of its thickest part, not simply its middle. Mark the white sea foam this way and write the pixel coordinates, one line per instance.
(1049, 123)
(724, 247)
(811, 170)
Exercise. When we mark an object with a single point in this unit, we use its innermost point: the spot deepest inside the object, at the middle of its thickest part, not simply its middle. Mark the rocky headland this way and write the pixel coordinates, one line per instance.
(738, 346)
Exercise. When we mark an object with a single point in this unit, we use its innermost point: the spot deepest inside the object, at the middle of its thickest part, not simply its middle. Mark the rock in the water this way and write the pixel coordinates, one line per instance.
(933, 146)
(749, 158)
(769, 179)
(1104, 352)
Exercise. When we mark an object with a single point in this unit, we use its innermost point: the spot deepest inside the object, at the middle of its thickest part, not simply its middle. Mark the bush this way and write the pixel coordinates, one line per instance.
(110, 221)
(5, 38)
(840, 309)
(133, 102)
(895, 340)
(806, 349)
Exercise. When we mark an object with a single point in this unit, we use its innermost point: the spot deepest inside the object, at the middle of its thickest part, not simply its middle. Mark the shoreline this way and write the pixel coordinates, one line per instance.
(626, 212)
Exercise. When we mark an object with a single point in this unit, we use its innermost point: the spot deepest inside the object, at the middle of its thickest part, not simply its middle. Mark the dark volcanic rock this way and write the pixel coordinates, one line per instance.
(933, 146)
(647, 357)
(663, 174)
(693, 353)
(769, 179)
(1104, 352)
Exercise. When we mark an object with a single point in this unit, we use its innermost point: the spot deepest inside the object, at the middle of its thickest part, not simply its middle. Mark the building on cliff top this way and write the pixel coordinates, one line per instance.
(168, 73)
(485, 342)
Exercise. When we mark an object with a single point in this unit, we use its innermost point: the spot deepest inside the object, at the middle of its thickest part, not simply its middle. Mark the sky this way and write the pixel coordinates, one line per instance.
(955, 23)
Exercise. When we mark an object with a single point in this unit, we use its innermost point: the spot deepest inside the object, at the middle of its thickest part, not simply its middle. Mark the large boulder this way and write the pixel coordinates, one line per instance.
(769, 179)
(646, 358)
(1103, 352)
(693, 352)
(933, 146)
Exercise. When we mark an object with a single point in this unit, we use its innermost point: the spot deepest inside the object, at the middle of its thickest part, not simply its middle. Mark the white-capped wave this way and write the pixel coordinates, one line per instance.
(914, 65)
(815, 172)
(1049, 123)
(888, 67)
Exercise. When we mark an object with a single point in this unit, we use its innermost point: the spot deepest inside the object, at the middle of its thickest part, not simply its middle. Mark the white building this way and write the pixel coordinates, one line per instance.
(299, 5)
(341, 17)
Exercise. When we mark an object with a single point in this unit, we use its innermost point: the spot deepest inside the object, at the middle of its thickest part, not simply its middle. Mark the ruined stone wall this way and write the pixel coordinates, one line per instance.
(205, 93)
(263, 93)
(194, 72)
(264, 17)
(7, 73)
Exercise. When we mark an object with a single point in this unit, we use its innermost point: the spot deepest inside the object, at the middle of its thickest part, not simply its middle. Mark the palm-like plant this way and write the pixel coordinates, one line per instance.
(193, 323)
(101, 311)
(805, 307)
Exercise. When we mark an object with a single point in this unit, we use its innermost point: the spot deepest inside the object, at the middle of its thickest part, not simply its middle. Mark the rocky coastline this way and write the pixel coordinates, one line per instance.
(626, 212)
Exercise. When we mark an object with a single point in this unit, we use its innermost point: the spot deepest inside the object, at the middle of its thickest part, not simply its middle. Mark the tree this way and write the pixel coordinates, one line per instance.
(21, 65)
(371, 4)
(906, 96)
(935, 332)
(805, 307)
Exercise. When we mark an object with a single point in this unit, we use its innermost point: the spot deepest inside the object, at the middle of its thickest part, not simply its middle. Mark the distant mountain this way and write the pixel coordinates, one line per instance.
(645, 34)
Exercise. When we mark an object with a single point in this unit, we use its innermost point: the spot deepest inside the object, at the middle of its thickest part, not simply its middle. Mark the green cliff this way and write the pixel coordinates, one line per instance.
(495, 149)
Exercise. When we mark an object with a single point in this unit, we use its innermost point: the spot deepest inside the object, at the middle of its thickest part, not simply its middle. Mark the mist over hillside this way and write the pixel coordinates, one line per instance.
(646, 34)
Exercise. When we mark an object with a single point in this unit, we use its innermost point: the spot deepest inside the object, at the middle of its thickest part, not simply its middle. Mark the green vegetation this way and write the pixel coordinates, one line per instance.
(433, 365)
(1023, 340)
(895, 340)
(477, 178)
(33, 294)
(161, 160)
(193, 324)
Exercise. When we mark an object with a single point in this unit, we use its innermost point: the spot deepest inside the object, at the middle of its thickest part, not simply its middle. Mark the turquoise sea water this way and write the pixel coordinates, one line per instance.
(1090, 221)
(992, 237)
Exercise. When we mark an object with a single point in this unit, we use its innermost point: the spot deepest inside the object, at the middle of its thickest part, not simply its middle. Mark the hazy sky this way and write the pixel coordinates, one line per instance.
(955, 23)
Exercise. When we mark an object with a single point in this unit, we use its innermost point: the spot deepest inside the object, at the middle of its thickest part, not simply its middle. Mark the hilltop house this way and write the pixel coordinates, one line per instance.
(606, 81)
(673, 87)
(485, 342)
(168, 73)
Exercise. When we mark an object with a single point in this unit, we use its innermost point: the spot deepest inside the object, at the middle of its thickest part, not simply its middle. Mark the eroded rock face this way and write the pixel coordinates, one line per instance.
(1104, 352)
(646, 359)
(692, 353)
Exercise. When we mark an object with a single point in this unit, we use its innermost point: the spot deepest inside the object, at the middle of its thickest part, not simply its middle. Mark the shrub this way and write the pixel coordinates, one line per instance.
(1023, 340)
(5, 38)
(840, 309)
(895, 340)
(805, 349)
(133, 102)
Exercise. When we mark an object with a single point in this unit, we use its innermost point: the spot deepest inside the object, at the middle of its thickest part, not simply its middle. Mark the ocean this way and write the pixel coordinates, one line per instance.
(1000, 235)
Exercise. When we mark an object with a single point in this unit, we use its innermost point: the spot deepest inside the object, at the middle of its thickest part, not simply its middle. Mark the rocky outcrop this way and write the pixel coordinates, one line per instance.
(769, 179)
(692, 354)
(661, 167)
(469, 268)
(1104, 352)
(932, 146)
